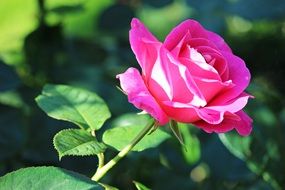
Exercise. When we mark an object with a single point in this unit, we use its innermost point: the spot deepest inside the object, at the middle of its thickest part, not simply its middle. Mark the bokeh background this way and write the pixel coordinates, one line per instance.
(84, 43)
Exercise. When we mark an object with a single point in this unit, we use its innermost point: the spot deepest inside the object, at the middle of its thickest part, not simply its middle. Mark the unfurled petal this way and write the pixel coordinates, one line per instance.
(243, 125)
(210, 88)
(240, 76)
(210, 116)
(144, 45)
(138, 94)
(181, 112)
(234, 105)
(189, 26)
(216, 114)
(218, 41)
(176, 80)
(176, 51)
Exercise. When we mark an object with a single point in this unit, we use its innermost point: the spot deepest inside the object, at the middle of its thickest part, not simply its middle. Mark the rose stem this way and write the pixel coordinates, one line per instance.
(101, 171)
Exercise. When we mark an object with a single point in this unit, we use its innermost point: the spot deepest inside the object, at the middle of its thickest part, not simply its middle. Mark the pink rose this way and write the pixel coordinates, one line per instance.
(192, 77)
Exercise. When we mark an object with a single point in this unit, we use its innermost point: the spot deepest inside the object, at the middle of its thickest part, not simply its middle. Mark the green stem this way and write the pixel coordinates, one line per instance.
(100, 160)
(104, 169)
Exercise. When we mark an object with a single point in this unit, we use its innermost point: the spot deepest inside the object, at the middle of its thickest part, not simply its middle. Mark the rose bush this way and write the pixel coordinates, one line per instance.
(192, 77)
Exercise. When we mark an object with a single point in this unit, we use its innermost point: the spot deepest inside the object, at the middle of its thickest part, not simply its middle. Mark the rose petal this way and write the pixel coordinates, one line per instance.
(183, 86)
(210, 88)
(218, 41)
(243, 126)
(197, 65)
(210, 116)
(225, 126)
(180, 112)
(216, 114)
(240, 76)
(138, 94)
(189, 26)
(217, 61)
(181, 45)
(144, 45)
(234, 105)
(196, 42)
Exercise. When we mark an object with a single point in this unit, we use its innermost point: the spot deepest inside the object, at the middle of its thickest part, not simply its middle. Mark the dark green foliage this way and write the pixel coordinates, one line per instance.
(77, 142)
(12, 134)
(116, 19)
(8, 78)
(81, 107)
(45, 178)
(127, 127)
(158, 3)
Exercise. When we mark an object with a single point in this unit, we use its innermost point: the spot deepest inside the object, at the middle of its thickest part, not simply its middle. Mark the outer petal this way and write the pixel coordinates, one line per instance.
(189, 26)
(243, 126)
(216, 114)
(218, 41)
(181, 81)
(240, 76)
(210, 116)
(180, 112)
(210, 88)
(234, 105)
(196, 30)
(181, 45)
(144, 45)
(133, 84)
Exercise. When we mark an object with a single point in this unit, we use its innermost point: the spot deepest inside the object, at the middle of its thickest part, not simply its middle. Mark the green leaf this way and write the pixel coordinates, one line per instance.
(176, 131)
(121, 135)
(13, 99)
(259, 153)
(238, 146)
(191, 151)
(77, 142)
(108, 187)
(45, 178)
(131, 119)
(73, 23)
(140, 186)
(82, 107)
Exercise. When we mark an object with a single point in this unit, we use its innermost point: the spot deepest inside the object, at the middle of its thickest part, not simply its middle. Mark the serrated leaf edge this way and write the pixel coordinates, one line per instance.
(45, 93)
(48, 167)
(62, 154)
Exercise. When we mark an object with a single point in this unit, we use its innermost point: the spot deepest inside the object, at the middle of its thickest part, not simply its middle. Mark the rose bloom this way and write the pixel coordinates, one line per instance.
(192, 77)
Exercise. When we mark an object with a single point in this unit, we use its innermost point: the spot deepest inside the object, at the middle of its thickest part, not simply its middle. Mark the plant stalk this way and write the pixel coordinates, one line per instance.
(104, 169)
(100, 160)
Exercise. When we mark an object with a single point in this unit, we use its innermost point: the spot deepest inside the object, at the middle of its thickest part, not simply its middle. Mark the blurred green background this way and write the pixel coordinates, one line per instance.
(84, 43)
